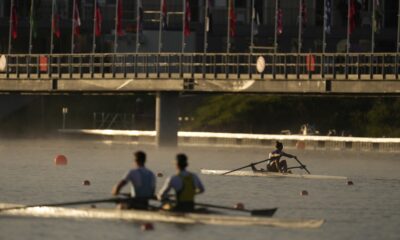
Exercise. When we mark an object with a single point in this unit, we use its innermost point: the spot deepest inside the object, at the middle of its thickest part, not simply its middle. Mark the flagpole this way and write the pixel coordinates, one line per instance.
(137, 33)
(398, 42)
(348, 38)
(299, 38)
(73, 27)
(51, 37)
(324, 40)
(116, 34)
(94, 26)
(228, 39)
(30, 37)
(251, 35)
(10, 29)
(160, 38)
(275, 39)
(206, 29)
(183, 37)
(373, 29)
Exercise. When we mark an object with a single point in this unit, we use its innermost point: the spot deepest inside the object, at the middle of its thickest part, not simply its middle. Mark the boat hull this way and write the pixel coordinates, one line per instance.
(148, 216)
(269, 174)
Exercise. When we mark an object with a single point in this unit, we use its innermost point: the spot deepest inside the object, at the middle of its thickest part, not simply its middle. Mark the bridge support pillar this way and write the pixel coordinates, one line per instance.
(167, 119)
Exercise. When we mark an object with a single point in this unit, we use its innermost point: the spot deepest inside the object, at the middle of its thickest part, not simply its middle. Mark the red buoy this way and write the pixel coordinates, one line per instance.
(349, 183)
(239, 206)
(301, 145)
(86, 183)
(304, 193)
(147, 227)
(160, 174)
(61, 160)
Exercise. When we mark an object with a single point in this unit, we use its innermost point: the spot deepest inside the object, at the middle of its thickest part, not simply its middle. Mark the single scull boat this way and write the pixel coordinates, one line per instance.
(269, 174)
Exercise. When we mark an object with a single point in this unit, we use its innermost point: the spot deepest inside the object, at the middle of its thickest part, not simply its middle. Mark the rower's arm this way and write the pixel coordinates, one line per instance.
(287, 155)
(117, 188)
(199, 185)
(163, 193)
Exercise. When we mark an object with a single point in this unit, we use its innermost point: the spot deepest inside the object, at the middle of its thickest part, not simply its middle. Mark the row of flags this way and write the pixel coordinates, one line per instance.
(256, 15)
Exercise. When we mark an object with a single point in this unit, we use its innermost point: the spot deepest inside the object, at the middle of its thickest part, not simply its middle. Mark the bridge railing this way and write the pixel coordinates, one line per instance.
(307, 66)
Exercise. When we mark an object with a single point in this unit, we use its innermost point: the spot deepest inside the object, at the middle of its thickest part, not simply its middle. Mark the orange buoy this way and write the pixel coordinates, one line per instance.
(303, 193)
(147, 227)
(61, 160)
(349, 183)
(86, 183)
(160, 174)
(239, 206)
(301, 145)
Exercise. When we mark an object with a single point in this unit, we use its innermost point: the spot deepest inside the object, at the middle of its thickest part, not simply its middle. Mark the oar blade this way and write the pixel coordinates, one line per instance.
(269, 212)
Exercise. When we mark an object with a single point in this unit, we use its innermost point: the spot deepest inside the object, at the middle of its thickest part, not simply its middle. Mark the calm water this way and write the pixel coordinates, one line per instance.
(368, 210)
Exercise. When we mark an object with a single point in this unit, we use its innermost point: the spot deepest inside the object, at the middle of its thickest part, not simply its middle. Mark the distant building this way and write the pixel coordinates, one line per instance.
(265, 9)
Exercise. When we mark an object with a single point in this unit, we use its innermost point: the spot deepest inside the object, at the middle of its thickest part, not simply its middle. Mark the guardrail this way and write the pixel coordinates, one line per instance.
(307, 66)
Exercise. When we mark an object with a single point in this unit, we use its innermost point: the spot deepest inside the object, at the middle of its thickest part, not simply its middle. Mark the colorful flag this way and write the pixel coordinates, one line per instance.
(280, 16)
(352, 16)
(76, 20)
(328, 16)
(232, 19)
(164, 14)
(188, 16)
(14, 22)
(98, 20)
(139, 27)
(120, 32)
(303, 14)
(56, 21)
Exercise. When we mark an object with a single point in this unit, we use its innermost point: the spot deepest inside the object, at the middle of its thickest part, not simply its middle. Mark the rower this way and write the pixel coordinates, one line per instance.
(143, 184)
(275, 164)
(186, 185)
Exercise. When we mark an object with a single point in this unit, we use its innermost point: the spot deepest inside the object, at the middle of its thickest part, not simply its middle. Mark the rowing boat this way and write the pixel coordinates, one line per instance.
(269, 174)
(156, 216)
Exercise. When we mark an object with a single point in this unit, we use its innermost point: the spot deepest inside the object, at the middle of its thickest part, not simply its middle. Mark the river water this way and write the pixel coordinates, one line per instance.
(370, 209)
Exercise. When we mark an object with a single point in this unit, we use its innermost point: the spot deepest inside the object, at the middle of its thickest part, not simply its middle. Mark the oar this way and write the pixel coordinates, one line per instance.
(302, 165)
(237, 169)
(267, 212)
(106, 200)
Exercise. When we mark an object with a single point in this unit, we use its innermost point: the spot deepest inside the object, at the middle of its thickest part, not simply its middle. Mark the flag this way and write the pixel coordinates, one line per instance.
(98, 20)
(56, 21)
(377, 24)
(14, 22)
(32, 21)
(352, 16)
(209, 18)
(139, 27)
(328, 16)
(232, 19)
(76, 20)
(303, 14)
(279, 16)
(256, 19)
(164, 14)
(119, 18)
(188, 16)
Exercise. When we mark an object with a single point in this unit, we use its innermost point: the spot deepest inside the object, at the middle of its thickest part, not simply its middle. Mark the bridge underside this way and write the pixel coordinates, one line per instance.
(287, 84)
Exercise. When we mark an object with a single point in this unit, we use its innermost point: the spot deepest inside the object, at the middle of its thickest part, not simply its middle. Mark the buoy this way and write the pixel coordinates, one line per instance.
(147, 227)
(304, 193)
(160, 174)
(301, 145)
(239, 206)
(61, 160)
(349, 183)
(86, 183)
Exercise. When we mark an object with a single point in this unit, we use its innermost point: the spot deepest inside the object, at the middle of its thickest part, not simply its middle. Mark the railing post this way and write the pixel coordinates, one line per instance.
(238, 66)
(124, 66)
(215, 66)
(59, 66)
(17, 66)
(334, 66)
(358, 67)
(383, 67)
(80, 66)
(92, 59)
(192, 69)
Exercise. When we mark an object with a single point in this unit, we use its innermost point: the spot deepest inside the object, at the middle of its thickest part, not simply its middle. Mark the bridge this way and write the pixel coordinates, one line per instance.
(280, 73)
(169, 74)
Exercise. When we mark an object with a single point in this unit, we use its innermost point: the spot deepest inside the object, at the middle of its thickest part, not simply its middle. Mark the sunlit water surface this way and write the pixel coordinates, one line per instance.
(370, 209)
